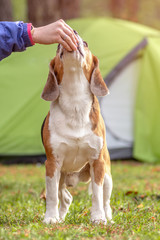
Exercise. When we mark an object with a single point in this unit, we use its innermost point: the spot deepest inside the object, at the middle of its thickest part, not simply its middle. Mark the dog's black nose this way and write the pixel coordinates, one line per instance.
(75, 32)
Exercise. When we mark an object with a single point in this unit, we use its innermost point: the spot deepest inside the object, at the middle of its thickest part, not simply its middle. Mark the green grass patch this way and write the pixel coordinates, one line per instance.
(135, 203)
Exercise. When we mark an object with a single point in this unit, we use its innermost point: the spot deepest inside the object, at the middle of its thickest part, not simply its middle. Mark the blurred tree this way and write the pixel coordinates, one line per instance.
(42, 12)
(133, 10)
(69, 9)
(6, 10)
(125, 9)
(116, 7)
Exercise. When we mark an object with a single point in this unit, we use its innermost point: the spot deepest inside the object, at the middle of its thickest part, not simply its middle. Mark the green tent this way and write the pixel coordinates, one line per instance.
(116, 43)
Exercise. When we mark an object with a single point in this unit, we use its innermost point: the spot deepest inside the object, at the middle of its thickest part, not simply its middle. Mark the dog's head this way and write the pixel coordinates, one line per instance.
(82, 58)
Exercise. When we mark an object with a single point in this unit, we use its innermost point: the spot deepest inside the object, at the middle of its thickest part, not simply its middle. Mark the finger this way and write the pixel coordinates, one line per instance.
(69, 28)
(65, 45)
(71, 35)
(69, 41)
(69, 31)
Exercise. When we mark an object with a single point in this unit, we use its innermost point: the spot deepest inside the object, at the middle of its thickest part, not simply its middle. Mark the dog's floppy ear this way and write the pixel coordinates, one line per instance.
(97, 84)
(51, 89)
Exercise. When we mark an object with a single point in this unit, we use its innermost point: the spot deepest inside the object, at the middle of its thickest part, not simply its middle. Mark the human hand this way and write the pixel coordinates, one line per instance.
(57, 32)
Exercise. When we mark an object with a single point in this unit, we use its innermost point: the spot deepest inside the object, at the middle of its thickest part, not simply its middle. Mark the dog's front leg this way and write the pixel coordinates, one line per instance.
(97, 172)
(52, 185)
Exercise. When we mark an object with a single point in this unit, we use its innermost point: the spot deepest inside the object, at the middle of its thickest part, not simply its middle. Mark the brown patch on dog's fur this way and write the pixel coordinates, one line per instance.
(58, 69)
(88, 68)
(51, 89)
(92, 73)
(99, 170)
(50, 162)
(84, 174)
(102, 164)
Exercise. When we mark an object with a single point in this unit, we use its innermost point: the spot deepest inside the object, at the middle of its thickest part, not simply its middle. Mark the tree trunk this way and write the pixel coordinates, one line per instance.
(6, 10)
(42, 12)
(134, 9)
(69, 9)
(125, 9)
(116, 7)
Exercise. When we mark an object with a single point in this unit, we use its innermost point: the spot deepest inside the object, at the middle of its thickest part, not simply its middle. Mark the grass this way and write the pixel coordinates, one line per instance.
(135, 203)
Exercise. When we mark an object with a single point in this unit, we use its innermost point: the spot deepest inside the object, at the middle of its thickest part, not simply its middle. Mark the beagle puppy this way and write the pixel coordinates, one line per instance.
(73, 134)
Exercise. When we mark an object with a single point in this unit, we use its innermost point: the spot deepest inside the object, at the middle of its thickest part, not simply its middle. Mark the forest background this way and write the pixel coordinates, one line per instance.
(41, 12)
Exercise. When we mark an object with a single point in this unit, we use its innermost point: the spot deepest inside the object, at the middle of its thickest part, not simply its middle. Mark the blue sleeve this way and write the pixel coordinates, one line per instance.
(13, 38)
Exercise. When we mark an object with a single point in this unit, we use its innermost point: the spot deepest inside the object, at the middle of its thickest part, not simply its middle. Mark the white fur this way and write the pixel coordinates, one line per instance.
(97, 210)
(107, 190)
(65, 202)
(52, 184)
(72, 139)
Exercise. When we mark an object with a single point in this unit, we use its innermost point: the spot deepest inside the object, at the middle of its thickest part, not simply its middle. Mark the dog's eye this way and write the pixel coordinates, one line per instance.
(85, 44)
(58, 48)
(61, 54)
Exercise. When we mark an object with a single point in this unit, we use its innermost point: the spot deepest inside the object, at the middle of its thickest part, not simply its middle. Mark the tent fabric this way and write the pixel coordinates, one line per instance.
(147, 113)
(109, 79)
(118, 110)
(23, 76)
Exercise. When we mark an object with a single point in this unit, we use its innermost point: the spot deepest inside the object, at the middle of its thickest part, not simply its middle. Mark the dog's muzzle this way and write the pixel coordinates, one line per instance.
(80, 46)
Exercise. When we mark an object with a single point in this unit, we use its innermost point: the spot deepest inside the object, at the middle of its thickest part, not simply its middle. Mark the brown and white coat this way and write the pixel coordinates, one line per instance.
(74, 134)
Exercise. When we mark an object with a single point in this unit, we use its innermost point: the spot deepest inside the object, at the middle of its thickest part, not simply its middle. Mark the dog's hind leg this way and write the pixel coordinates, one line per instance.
(107, 190)
(65, 198)
(65, 202)
(71, 180)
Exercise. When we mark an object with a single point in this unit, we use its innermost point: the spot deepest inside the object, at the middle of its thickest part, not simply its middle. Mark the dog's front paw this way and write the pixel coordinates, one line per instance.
(51, 220)
(98, 219)
(108, 212)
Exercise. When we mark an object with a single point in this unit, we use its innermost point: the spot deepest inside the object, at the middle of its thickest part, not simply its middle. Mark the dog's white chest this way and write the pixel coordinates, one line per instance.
(72, 139)
(72, 153)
